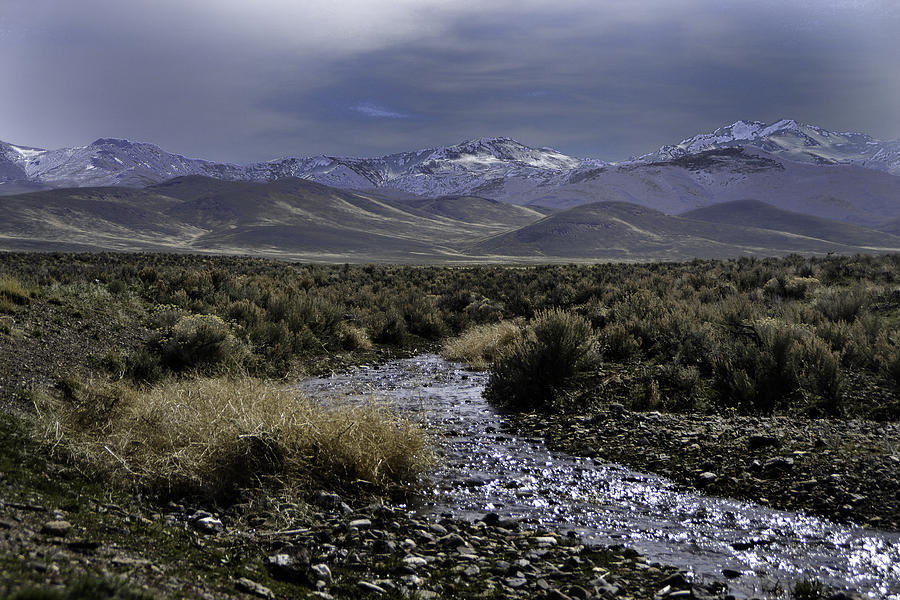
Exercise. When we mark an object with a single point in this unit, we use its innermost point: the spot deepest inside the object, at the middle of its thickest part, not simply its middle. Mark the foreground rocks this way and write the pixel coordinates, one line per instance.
(845, 470)
(328, 550)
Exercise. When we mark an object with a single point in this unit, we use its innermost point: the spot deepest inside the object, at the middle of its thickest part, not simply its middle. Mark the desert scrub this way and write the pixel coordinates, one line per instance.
(543, 369)
(775, 367)
(481, 345)
(355, 338)
(202, 342)
(213, 438)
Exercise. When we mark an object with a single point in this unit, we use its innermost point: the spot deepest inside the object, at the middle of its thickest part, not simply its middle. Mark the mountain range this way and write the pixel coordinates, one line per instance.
(821, 191)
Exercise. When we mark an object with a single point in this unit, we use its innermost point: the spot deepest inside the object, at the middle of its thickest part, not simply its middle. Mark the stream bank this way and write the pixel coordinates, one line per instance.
(487, 465)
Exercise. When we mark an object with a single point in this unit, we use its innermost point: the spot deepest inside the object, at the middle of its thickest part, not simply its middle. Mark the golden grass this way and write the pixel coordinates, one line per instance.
(12, 291)
(481, 345)
(216, 436)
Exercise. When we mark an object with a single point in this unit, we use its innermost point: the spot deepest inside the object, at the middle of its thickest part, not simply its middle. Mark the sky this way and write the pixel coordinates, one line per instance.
(244, 81)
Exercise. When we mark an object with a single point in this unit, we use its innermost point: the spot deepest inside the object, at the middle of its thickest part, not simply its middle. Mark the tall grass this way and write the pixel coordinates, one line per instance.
(481, 345)
(216, 437)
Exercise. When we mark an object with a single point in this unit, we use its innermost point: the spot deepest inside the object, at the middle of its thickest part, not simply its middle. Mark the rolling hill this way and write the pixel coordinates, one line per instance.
(754, 213)
(619, 230)
(299, 219)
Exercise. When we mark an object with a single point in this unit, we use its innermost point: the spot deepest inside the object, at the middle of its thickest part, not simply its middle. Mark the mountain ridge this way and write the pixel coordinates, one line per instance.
(471, 166)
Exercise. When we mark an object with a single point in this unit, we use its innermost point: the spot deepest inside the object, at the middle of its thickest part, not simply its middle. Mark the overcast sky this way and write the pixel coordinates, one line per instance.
(252, 80)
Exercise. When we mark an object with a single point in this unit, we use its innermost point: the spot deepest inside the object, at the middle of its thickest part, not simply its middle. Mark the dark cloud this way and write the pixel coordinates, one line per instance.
(241, 82)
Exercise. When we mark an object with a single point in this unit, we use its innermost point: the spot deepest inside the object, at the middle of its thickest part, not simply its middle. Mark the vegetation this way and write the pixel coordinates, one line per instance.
(543, 368)
(216, 437)
(481, 345)
(798, 335)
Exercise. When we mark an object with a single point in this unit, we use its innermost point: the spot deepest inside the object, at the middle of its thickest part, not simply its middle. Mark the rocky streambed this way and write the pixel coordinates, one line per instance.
(490, 467)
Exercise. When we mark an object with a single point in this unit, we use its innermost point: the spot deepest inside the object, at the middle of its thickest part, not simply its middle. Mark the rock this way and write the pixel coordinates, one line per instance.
(414, 562)
(251, 587)
(438, 529)
(576, 591)
(731, 573)
(359, 524)
(757, 441)
(677, 581)
(384, 547)
(706, 478)
(56, 528)
(209, 525)
(332, 502)
(778, 465)
(545, 540)
(471, 571)
(370, 587)
(491, 519)
(515, 582)
(286, 567)
(321, 572)
(554, 594)
(501, 567)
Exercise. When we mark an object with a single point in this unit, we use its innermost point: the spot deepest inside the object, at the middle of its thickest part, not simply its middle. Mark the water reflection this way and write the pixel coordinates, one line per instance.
(486, 469)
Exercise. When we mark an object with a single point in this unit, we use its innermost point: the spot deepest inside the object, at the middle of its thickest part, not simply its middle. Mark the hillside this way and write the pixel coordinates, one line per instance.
(289, 217)
(754, 213)
(619, 230)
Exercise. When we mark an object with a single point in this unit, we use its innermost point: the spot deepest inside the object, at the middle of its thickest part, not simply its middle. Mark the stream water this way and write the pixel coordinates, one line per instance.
(486, 468)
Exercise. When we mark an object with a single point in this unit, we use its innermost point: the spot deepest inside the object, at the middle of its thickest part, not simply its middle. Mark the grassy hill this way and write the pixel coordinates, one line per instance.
(299, 219)
(754, 213)
(288, 218)
(619, 230)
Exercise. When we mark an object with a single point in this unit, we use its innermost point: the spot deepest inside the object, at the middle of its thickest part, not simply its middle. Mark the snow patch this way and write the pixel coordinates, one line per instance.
(27, 152)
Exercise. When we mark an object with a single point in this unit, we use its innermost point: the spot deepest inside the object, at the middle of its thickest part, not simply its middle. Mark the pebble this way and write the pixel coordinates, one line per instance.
(371, 587)
(209, 525)
(360, 524)
(321, 572)
(251, 587)
(56, 528)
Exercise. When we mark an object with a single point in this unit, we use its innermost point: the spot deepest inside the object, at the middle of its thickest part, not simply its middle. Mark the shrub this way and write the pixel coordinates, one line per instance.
(775, 364)
(354, 338)
(617, 344)
(542, 369)
(145, 366)
(215, 437)
(481, 345)
(203, 342)
(841, 304)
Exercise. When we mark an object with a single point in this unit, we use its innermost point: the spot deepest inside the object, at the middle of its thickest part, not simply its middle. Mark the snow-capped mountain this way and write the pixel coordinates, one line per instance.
(498, 168)
(456, 169)
(794, 141)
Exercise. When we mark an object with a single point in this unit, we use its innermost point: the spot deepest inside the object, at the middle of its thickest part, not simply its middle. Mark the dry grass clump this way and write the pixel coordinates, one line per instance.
(12, 294)
(215, 437)
(481, 345)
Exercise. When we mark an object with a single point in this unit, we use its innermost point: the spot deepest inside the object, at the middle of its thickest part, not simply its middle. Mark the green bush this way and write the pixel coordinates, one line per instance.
(842, 304)
(773, 366)
(617, 344)
(544, 368)
(202, 342)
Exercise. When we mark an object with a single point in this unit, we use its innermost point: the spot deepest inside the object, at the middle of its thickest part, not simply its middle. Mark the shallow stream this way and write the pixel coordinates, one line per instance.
(486, 468)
